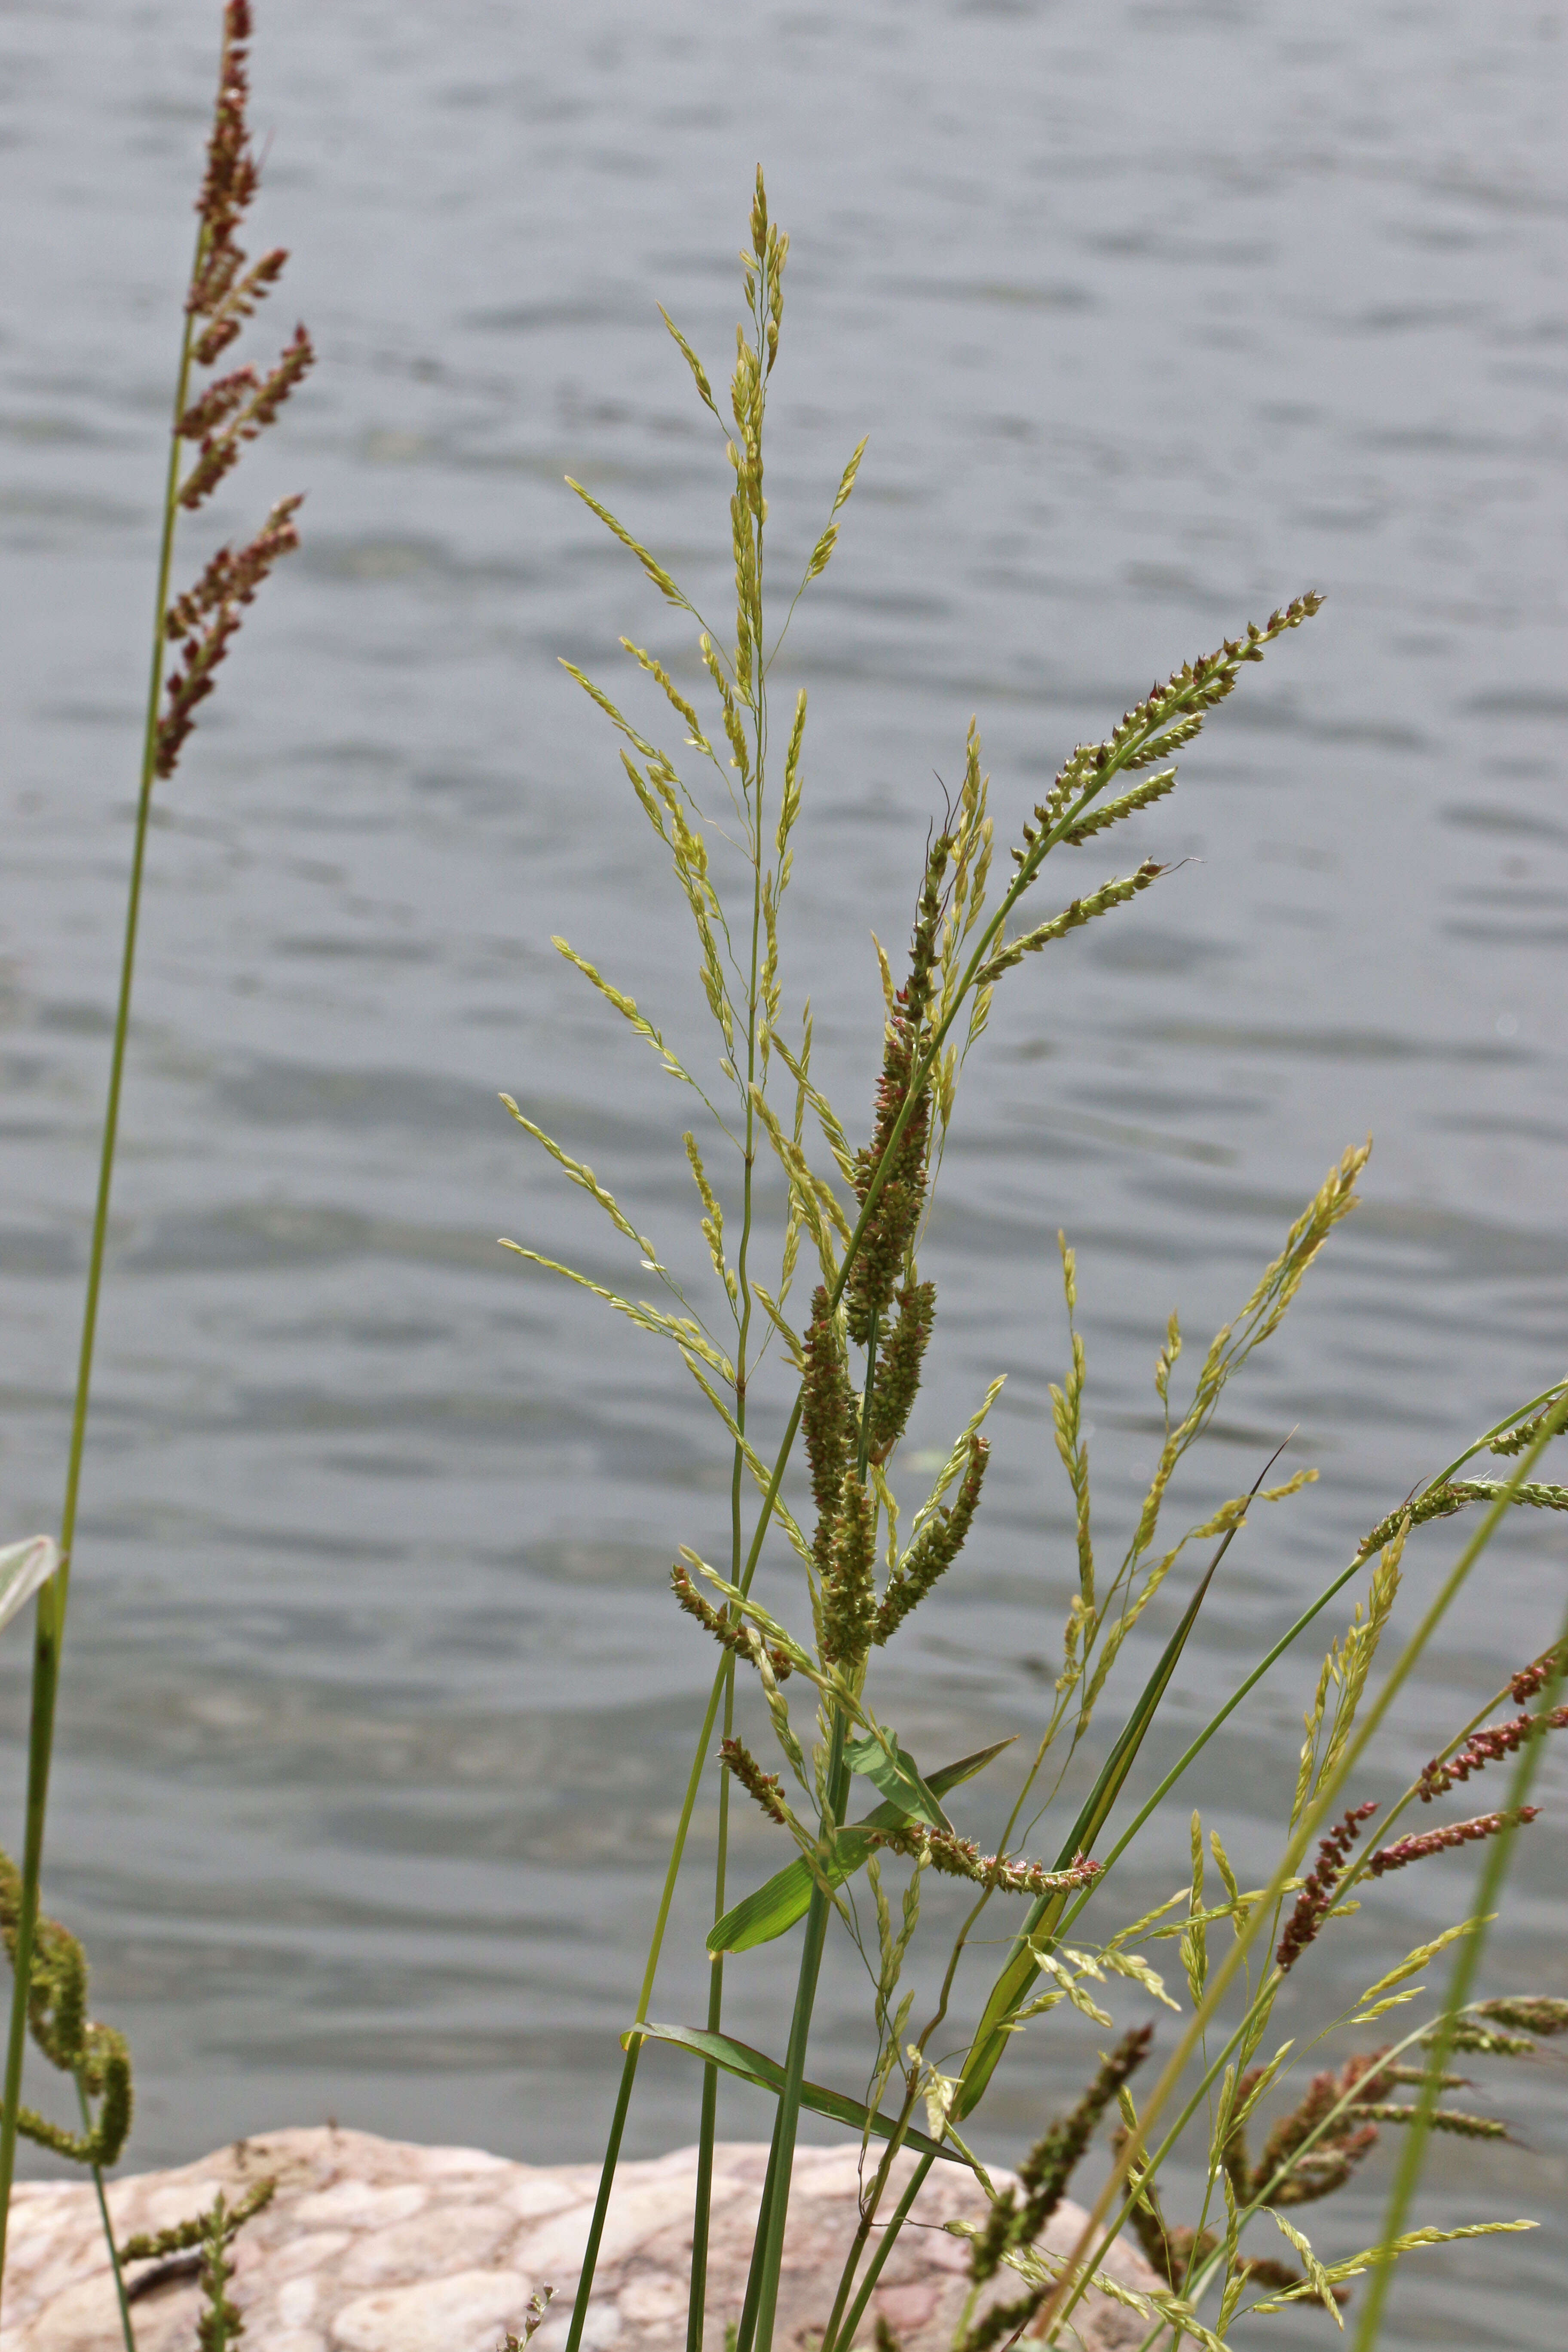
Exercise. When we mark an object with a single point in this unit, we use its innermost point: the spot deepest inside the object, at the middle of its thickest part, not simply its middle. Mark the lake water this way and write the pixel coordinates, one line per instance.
(375, 1708)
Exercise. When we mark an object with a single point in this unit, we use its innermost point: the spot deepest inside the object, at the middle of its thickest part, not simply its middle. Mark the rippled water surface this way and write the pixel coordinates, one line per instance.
(376, 1713)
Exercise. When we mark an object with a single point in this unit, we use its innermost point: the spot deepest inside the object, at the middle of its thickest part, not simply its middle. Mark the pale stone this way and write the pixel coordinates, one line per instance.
(646, 2301)
(538, 2193)
(556, 2248)
(438, 2249)
(463, 2313)
(367, 2208)
(307, 2253)
(438, 2162)
(906, 2308)
(297, 2300)
(451, 2237)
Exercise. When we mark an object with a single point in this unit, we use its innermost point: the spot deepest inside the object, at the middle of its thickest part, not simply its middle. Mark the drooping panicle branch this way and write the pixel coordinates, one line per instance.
(730, 1634)
(1313, 1901)
(1488, 1746)
(1405, 1851)
(765, 1788)
(934, 1550)
(958, 1858)
(229, 582)
(96, 2055)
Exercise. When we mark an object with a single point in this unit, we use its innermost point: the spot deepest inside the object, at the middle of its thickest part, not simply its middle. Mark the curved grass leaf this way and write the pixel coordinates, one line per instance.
(24, 1570)
(766, 2074)
(1023, 1966)
(773, 1909)
(892, 1769)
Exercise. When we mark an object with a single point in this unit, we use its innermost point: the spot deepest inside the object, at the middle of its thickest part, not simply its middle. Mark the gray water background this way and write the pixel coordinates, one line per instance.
(376, 1711)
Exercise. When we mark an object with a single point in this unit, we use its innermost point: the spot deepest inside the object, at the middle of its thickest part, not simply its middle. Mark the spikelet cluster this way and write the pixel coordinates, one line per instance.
(1337, 2148)
(1114, 893)
(958, 1858)
(728, 1632)
(232, 409)
(765, 1789)
(1488, 1746)
(1045, 2171)
(849, 1587)
(900, 1169)
(96, 2055)
(1169, 716)
(203, 622)
(899, 1367)
(934, 1550)
(827, 1418)
(1407, 1850)
(1536, 1675)
(1527, 2013)
(1334, 1852)
(1524, 1435)
(1441, 1502)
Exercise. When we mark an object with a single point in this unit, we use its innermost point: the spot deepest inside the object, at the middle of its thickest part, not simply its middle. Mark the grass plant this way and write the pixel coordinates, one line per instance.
(842, 1372)
(816, 1330)
(215, 415)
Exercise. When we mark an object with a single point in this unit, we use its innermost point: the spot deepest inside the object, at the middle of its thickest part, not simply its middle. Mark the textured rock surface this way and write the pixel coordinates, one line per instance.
(374, 2245)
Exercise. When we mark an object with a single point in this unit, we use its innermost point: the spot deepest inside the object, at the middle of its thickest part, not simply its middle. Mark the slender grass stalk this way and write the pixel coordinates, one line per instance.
(768, 2253)
(1466, 1966)
(50, 1623)
(702, 2204)
(845, 2335)
(221, 293)
(634, 2041)
(1074, 2280)
(127, 2332)
(746, 2332)
(768, 2257)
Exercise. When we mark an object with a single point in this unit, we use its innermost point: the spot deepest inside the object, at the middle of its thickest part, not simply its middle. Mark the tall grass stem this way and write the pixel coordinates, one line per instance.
(51, 1605)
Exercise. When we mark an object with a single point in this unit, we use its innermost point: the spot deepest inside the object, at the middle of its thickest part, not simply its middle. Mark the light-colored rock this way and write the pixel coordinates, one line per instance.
(468, 2311)
(375, 2245)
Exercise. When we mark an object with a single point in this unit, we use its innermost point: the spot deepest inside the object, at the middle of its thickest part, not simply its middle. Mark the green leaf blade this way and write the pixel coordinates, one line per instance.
(764, 2073)
(774, 1908)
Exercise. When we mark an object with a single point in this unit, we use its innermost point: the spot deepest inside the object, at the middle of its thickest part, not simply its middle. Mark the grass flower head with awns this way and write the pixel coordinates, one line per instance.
(847, 1247)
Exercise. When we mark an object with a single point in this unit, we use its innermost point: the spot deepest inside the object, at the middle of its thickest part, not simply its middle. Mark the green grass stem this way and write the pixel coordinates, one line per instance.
(50, 1620)
(842, 2336)
(768, 2253)
(634, 2040)
(127, 2332)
